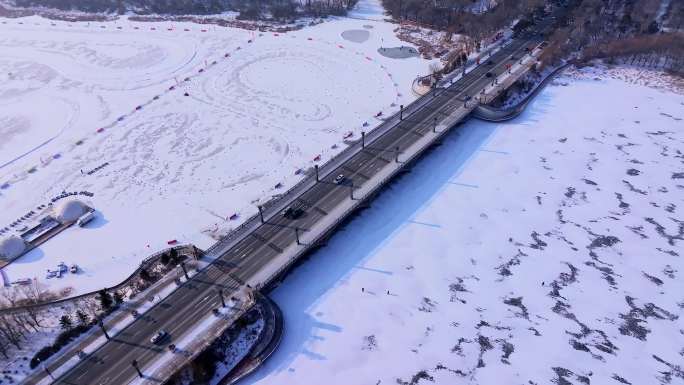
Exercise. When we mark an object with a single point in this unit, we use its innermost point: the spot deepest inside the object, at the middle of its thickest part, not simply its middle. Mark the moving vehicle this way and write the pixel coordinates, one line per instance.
(159, 337)
(339, 179)
(292, 213)
(489, 74)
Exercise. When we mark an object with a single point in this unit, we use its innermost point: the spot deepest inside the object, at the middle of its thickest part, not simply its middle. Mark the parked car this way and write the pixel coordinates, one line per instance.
(489, 74)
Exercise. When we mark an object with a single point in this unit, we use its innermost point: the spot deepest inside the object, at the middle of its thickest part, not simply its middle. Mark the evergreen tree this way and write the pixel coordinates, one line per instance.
(105, 299)
(65, 322)
(83, 318)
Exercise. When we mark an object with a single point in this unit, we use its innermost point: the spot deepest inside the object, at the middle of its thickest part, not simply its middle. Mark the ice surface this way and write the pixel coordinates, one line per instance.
(529, 252)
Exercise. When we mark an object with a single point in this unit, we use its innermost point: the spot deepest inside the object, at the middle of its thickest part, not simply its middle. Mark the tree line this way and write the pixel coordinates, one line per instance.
(248, 9)
(638, 30)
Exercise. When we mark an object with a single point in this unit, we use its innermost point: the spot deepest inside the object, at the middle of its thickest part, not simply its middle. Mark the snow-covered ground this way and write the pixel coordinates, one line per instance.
(75, 96)
(544, 250)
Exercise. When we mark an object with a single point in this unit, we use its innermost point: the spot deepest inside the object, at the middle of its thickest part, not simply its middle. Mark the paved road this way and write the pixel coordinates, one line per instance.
(180, 311)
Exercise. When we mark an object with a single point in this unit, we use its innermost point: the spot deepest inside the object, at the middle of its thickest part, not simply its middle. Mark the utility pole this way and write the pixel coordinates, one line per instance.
(101, 325)
(134, 363)
(261, 212)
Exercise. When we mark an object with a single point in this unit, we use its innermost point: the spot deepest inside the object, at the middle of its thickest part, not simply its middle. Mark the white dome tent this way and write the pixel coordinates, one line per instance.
(11, 247)
(70, 210)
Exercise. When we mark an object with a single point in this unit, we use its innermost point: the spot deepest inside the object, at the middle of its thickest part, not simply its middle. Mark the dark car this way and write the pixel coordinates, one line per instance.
(489, 74)
(293, 213)
(490, 62)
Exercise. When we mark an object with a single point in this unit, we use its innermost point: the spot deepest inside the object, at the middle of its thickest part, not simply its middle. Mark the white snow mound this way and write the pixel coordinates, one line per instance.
(11, 247)
(70, 210)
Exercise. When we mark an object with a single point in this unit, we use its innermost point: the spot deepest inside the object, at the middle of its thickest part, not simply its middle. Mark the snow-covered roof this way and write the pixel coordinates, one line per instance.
(70, 210)
(11, 247)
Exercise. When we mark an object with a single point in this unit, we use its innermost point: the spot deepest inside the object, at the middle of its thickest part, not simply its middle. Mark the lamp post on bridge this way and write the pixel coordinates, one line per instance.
(297, 235)
(223, 300)
(134, 363)
(363, 139)
(434, 125)
(261, 210)
(185, 271)
(317, 180)
(104, 331)
(401, 112)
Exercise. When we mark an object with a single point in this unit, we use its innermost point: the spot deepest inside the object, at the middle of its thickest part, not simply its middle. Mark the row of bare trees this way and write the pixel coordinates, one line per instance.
(459, 16)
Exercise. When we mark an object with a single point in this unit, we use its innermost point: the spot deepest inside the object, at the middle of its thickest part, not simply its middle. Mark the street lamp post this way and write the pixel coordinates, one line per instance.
(401, 112)
(261, 212)
(434, 125)
(134, 363)
(363, 139)
(223, 301)
(104, 331)
(297, 235)
(185, 271)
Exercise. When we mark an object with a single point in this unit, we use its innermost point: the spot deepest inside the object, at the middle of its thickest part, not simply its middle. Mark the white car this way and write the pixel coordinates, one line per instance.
(339, 179)
(160, 336)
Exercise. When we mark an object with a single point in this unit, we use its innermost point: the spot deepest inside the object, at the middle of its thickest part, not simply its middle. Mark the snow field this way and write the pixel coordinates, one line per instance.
(499, 257)
(177, 167)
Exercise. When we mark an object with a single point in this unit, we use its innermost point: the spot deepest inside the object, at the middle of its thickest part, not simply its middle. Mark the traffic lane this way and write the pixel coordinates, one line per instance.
(175, 326)
(132, 338)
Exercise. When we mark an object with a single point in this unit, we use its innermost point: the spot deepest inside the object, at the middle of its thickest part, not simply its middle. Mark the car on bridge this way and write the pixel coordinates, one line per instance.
(339, 179)
(292, 213)
(160, 336)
